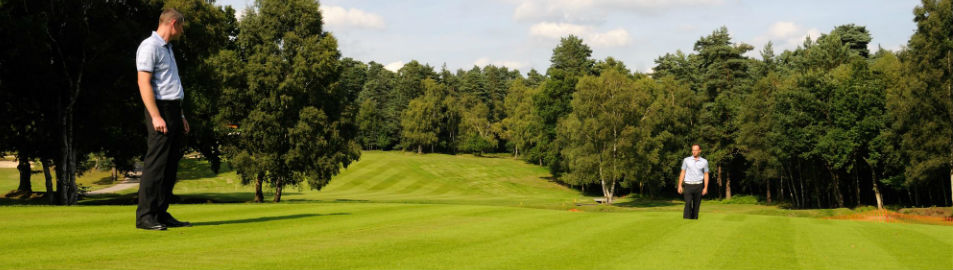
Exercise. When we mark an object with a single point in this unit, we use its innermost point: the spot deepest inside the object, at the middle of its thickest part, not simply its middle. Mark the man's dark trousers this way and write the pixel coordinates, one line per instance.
(693, 200)
(161, 164)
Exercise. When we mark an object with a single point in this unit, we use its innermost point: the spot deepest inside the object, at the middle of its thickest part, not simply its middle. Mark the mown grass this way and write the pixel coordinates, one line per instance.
(394, 210)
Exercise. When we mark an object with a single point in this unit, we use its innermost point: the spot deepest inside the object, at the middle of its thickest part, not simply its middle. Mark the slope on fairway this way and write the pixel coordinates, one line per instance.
(453, 236)
(407, 177)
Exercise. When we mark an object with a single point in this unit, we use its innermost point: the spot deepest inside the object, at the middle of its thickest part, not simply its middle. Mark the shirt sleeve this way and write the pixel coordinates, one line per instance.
(706, 166)
(684, 165)
(146, 57)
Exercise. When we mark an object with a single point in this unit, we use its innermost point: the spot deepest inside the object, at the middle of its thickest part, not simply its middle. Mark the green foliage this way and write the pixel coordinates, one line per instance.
(420, 122)
(926, 117)
(292, 114)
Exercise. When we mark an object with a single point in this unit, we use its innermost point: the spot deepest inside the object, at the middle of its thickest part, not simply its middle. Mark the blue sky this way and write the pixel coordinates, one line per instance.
(522, 33)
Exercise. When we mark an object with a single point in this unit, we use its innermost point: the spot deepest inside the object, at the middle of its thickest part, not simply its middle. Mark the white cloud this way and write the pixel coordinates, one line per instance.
(394, 66)
(484, 61)
(587, 11)
(786, 35)
(557, 30)
(613, 38)
(335, 15)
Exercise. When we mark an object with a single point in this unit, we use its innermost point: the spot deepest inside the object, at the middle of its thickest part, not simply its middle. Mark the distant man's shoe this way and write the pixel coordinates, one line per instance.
(171, 222)
(151, 227)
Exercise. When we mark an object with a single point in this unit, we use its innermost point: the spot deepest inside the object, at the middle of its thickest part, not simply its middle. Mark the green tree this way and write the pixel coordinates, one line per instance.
(724, 71)
(601, 127)
(521, 123)
(477, 133)
(379, 125)
(571, 60)
(420, 122)
(928, 122)
(291, 124)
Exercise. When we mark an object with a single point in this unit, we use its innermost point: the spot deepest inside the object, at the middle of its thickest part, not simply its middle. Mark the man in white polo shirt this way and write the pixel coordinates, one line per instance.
(693, 182)
(162, 93)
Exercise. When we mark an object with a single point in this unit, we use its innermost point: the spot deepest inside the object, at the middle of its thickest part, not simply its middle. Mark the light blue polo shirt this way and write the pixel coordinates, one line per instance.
(155, 56)
(695, 170)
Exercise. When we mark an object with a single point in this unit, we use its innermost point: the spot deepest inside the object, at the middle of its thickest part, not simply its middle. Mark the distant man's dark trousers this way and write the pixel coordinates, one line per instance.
(693, 200)
(161, 164)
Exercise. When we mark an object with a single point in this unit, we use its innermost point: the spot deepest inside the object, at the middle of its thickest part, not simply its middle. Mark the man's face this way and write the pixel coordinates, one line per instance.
(176, 29)
(696, 150)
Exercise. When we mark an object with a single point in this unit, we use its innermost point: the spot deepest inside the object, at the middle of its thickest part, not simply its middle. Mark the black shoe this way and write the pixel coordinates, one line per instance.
(155, 227)
(171, 222)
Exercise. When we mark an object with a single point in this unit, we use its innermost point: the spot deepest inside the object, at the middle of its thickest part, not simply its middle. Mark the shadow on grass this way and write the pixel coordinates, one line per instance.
(191, 198)
(646, 203)
(262, 219)
(18, 198)
(108, 180)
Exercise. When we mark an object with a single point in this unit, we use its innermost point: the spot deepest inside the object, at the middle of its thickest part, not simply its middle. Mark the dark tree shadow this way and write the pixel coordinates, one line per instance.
(262, 219)
(647, 203)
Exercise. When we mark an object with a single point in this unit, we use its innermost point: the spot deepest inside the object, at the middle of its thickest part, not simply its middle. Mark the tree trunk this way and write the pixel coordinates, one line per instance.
(66, 169)
(800, 180)
(24, 167)
(611, 192)
(817, 197)
(916, 195)
(728, 185)
(605, 190)
(781, 185)
(873, 176)
(768, 190)
(857, 186)
(838, 196)
(420, 149)
(719, 182)
(49, 180)
(115, 173)
(951, 183)
(278, 188)
(259, 196)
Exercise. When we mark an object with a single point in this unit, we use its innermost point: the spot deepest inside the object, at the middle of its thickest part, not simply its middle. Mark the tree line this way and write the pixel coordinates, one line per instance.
(828, 124)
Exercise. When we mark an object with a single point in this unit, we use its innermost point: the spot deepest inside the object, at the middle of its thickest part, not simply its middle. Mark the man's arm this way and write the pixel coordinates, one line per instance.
(185, 123)
(705, 190)
(681, 177)
(149, 99)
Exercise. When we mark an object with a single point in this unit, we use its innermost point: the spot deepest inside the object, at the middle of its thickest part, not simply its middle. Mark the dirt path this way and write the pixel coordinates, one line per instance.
(8, 164)
(115, 188)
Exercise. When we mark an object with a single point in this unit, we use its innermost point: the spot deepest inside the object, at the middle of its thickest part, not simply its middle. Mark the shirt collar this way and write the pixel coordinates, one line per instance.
(159, 38)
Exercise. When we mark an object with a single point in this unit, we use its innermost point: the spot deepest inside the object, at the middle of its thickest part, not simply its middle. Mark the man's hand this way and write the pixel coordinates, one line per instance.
(680, 189)
(185, 124)
(705, 191)
(159, 125)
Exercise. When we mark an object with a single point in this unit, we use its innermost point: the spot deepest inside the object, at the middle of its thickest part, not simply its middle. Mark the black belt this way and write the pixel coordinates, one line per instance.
(169, 103)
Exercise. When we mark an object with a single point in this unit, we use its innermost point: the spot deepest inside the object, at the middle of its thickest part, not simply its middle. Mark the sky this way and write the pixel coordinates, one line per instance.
(521, 34)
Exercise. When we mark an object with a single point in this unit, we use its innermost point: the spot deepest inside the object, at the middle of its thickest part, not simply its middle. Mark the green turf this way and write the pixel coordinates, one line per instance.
(403, 211)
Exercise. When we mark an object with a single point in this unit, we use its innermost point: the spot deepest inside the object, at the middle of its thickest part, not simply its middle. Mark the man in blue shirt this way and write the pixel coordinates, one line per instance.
(694, 176)
(162, 93)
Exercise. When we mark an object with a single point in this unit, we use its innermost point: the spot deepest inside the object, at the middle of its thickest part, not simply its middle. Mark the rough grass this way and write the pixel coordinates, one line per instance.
(405, 211)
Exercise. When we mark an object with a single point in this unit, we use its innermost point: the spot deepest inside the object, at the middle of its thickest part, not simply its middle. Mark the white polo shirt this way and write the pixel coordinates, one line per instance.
(155, 56)
(695, 170)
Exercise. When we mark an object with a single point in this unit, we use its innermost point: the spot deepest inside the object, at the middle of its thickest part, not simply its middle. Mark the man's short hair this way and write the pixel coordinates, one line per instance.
(699, 146)
(170, 14)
